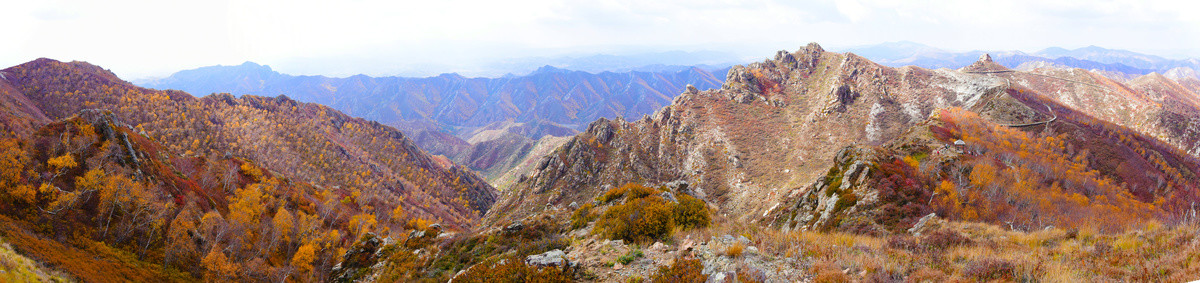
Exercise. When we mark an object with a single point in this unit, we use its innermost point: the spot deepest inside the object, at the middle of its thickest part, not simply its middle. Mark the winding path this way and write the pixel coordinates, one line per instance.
(1009, 82)
(1035, 123)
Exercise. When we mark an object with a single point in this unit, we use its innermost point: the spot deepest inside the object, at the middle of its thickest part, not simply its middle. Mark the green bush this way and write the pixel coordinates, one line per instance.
(513, 269)
(691, 212)
(637, 220)
(582, 216)
(630, 256)
(630, 190)
(682, 270)
(644, 214)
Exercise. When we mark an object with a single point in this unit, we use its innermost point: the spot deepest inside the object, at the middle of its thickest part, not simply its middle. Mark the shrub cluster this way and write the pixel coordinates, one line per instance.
(630, 190)
(584, 215)
(828, 272)
(644, 215)
(682, 270)
(990, 269)
(630, 256)
(512, 269)
(942, 239)
(935, 241)
(637, 220)
(691, 212)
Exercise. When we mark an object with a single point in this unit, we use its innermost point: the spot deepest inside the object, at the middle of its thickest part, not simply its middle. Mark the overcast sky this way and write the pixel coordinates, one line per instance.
(138, 39)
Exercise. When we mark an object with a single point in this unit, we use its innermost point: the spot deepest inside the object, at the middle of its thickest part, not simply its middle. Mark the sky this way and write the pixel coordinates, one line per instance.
(140, 39)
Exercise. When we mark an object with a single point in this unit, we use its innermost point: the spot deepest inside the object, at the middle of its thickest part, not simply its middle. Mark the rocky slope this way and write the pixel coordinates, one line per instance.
(819, 166)
(776, 126)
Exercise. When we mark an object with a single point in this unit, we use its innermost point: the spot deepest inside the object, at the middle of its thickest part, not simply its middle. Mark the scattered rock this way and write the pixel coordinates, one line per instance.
(717, 278)
(743, 240)
(550, 258)
(416, 234)
(668, 196)
(927, 223)
(515, 227)
(726, 239)
(785, 58)
(658, 246)
(360, 256)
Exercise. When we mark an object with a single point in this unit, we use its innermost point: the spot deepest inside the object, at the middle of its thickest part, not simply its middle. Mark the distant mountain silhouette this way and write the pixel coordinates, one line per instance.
(904, 53)
(458, 104)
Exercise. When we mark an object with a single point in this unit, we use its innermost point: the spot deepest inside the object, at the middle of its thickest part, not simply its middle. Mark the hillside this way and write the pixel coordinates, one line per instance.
(817, 166)
(775, 127)
(485, 124)
(809, 166)
(219, 187)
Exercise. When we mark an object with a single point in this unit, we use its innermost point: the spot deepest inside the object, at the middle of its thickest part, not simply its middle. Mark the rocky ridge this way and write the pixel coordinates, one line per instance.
(766, 132)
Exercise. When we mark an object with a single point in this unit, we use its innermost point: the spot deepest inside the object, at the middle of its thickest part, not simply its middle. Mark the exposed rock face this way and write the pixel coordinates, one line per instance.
(361, 262)
(842, 193)
(772, 127)
(762, 141)
(928, 223)
(550, 258)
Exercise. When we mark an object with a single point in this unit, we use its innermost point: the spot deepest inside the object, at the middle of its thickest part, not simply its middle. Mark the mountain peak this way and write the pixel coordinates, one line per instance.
(549, 69)
(52, 66)
(248, 65)
(813, 47)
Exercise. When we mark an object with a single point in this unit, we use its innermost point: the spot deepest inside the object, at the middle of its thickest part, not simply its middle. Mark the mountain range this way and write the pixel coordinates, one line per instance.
(503, 118)
(903, 53)
(776, 127)
(810, 165)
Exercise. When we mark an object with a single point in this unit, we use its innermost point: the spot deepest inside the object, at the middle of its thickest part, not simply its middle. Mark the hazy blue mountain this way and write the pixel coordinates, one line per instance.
(458, 104)
(672, 61)
(904, 53)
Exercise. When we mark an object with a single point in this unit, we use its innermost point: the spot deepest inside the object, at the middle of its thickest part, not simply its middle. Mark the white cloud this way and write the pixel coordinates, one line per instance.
(138, 38)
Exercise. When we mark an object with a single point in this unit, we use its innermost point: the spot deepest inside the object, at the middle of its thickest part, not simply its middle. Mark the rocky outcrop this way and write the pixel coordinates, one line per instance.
(926, 224)
(551, 258)
(361, 262)
(840, 195)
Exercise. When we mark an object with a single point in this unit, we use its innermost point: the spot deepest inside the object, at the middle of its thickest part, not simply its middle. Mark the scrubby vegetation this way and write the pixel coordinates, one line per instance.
(1038, 179)
(583, 215)
(432, 259)
(691, 212)
(973, 252)
(646, 215)
(131, 184)
(18, 268)
(639, 219)
(681, 270)
(512, 270)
